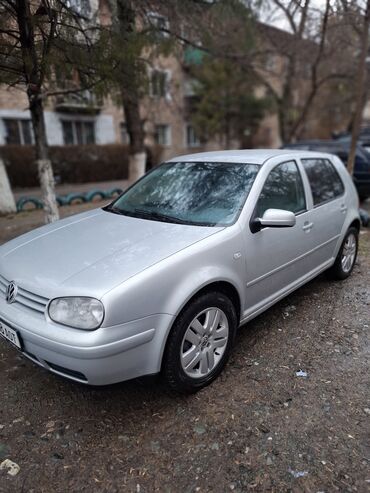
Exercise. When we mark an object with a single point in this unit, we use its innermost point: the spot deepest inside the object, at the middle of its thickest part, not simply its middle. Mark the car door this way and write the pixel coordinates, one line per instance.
(329, 208)
(276, 257)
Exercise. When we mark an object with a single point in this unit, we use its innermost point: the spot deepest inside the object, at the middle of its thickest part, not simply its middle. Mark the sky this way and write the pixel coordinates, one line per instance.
(276, 18)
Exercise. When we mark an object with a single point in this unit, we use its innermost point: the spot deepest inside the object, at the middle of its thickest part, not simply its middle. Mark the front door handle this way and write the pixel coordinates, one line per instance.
(307, 226)
(343, 208)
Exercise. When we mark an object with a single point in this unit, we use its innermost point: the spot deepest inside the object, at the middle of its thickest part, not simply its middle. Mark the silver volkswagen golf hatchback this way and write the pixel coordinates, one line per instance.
(160, 279)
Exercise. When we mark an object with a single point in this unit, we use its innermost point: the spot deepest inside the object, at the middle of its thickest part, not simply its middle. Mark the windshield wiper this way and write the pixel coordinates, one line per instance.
(111, 208)
(157, 216)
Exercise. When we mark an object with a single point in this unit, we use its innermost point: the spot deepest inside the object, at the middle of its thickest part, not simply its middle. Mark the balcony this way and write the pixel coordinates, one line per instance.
(193, 56)
(81, 102)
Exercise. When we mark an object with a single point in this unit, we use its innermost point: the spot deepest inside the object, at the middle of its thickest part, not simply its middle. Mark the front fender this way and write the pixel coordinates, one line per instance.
(168, 285)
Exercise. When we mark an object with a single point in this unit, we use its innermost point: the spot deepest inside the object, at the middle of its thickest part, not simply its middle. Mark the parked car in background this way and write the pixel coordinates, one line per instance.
(160, 279)
(363, 138)
(340, 148)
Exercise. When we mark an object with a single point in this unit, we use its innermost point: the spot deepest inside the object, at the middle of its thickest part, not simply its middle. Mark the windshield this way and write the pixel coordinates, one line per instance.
(206, 194)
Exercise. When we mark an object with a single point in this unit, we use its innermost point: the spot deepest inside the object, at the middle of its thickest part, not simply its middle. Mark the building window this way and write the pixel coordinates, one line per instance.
(271, 62)
(192, 139)
(159, 84)
(78, 132)
(159, 24)
(81, 7)
(162, 135)
(18, 131)
(125, 137)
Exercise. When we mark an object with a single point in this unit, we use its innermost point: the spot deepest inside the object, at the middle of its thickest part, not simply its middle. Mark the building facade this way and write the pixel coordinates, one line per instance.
(81, 119)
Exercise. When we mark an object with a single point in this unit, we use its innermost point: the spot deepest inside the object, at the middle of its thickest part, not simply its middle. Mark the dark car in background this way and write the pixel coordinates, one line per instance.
(340, 148)
(363, 138)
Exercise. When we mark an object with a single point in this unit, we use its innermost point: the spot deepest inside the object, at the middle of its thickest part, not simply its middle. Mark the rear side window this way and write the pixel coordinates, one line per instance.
(324, 179)
(283, 189)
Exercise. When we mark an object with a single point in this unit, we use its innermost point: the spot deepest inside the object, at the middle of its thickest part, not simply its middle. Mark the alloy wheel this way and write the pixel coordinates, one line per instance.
(349, 253)
(204, 342)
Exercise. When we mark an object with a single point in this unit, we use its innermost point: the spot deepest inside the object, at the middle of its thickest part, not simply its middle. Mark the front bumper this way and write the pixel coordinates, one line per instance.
(99, 357)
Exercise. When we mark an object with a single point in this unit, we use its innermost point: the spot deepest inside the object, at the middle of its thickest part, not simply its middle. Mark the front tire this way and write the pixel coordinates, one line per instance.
(346, 258)
(200, 343)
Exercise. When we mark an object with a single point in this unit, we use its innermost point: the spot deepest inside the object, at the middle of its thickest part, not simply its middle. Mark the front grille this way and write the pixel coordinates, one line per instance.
(25, 299)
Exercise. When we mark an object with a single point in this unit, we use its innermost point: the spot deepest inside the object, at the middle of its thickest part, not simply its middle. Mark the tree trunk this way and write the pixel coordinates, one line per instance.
(44, 166)
(227, 134)
(360, 89)
(285, 103)
(34, 72)
(7, 202)
(135, 129)
(130, 93)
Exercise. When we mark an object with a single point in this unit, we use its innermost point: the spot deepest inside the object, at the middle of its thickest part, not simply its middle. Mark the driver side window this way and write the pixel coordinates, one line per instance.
(283, 189)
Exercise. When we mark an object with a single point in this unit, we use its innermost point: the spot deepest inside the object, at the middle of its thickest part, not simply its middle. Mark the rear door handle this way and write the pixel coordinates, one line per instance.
(343, 208)
(307, 226)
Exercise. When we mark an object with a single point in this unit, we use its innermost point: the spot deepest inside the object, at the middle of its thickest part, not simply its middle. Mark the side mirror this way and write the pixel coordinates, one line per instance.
(274, 218)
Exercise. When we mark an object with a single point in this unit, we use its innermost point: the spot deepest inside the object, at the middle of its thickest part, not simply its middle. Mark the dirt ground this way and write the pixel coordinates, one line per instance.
(259, 427)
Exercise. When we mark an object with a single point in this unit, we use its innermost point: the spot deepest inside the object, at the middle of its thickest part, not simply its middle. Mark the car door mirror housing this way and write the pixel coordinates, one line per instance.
(274, 218)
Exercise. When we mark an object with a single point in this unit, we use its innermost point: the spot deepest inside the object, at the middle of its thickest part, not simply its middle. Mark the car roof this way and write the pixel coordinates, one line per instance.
(248, 156)
(317, 143)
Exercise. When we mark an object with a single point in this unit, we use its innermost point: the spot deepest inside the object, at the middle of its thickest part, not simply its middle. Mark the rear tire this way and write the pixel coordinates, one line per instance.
(346, 258)
(200, 343)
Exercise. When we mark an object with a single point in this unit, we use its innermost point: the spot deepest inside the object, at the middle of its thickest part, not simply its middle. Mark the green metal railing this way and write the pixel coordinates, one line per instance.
(28, 203)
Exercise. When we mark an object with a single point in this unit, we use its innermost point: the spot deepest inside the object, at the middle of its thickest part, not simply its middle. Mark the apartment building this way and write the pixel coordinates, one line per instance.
(80, 119)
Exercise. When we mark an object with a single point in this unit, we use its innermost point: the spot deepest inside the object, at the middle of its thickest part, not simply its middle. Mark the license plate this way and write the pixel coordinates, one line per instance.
(10, 335)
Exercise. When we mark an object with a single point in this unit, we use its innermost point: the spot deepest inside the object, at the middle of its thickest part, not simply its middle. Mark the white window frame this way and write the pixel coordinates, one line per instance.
(271, 62)
(122, 126)
(168, 77)
(78, 7)
(20, 129)
(167, 134)
(196, 142)
(153, 17)
(73, 121)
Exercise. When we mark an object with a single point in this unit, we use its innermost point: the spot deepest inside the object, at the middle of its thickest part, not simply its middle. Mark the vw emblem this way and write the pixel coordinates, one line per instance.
(11, 292)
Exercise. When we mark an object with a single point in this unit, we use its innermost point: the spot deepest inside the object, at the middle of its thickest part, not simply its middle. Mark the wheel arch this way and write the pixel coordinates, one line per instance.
(222, 286)
(356, 223)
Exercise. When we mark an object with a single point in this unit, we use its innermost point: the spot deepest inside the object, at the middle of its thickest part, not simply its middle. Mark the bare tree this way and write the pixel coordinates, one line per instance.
(37, 39)
(360, 87)
(130, 81)
(138, 32)
(313, 61)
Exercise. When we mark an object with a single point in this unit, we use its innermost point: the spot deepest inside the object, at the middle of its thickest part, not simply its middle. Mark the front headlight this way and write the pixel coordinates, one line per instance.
(81, 312)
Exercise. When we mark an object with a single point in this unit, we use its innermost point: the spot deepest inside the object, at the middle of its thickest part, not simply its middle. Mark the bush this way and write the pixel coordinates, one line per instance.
(71, 164)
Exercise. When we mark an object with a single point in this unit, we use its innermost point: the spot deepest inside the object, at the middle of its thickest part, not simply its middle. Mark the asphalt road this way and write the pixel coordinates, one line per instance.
(260, 427)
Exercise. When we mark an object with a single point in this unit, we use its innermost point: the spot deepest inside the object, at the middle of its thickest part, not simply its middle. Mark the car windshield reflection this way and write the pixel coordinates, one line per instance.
(194, 193)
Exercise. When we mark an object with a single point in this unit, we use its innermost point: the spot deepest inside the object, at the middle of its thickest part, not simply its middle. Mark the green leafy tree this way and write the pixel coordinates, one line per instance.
(140, 31)
(135, 37)
(225, 103)
(130, 42)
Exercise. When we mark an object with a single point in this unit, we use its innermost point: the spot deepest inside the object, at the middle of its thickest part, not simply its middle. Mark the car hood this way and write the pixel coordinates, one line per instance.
(93, 252)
